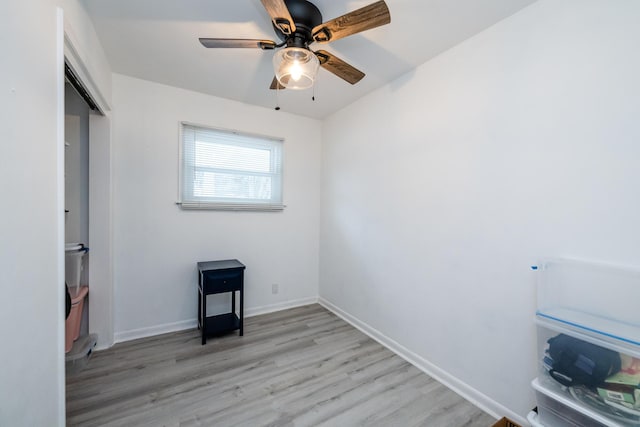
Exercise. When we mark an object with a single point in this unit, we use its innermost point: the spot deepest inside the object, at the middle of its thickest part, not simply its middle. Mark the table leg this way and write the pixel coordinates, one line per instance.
(203, 316)
(241, 309)
(233, 302)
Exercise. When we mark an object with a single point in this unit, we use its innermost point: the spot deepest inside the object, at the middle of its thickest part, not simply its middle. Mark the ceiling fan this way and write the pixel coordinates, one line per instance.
(298, 24)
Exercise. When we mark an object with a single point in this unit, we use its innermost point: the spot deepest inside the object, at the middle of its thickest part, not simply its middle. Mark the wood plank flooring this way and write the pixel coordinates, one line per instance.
(298, 367)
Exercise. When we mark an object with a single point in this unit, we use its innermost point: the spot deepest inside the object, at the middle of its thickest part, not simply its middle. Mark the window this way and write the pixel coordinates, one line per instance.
(227, 170)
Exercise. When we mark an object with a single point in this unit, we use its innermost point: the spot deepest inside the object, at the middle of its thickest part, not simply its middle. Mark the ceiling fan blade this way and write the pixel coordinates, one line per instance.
(275, 84)
(280, 15)
(365, 18)
(338, 67)
(238, 43)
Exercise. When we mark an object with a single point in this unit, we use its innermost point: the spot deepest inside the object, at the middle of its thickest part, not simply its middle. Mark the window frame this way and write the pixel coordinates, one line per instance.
(189, 202)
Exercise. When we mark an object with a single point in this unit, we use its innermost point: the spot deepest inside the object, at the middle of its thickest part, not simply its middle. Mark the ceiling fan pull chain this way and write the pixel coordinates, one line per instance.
(313, 94)
(277, 98)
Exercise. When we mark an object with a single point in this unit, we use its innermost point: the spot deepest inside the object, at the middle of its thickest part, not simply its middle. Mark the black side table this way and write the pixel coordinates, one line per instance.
(216, 277)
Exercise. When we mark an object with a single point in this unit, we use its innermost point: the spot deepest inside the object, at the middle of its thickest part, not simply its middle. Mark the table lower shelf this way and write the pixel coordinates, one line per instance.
(221, 324)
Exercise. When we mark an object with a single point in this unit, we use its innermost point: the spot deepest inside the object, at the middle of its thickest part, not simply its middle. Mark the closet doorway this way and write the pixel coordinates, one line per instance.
(88, 189)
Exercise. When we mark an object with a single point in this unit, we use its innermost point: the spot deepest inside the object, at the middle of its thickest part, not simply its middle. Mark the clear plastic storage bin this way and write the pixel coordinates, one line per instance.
(79, 356)
(73, 257)
(555, 409)
(595, 299)
(596, 305)
(610, 403)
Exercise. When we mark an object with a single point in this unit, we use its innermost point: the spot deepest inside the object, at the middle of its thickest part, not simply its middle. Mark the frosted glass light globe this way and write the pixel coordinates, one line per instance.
(295, 67)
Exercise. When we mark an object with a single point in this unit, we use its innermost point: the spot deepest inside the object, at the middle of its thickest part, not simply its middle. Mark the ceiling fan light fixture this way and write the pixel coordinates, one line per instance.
(296, 67)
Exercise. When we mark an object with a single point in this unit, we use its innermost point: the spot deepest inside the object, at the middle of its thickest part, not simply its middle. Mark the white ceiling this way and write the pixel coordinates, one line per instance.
(157, 40)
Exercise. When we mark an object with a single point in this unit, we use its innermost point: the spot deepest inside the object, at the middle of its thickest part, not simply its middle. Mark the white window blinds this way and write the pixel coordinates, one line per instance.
(228, 170)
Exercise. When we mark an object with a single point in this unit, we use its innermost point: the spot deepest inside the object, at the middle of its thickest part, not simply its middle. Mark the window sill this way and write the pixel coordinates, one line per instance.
(255, 207)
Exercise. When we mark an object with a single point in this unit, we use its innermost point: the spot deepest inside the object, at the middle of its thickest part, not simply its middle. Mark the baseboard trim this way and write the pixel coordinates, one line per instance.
(271, 308)
(479, 399)
(134, 334)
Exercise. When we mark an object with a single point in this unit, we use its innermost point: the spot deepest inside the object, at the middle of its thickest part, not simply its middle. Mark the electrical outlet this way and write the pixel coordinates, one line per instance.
(274, 288)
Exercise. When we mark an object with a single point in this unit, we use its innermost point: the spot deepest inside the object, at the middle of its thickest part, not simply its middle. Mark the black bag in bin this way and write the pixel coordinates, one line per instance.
(576, 362)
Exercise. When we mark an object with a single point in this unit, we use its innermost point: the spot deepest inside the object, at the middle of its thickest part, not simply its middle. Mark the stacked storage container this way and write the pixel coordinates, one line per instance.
(78, 348)
(596, 308)
(74, 255)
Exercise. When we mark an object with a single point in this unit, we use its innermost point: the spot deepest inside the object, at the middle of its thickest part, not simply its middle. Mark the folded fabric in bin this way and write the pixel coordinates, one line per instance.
(624, 386)
(626, 395)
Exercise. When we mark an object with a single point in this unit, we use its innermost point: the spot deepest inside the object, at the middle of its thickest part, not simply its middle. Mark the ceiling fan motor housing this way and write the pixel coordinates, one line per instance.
(305, 16)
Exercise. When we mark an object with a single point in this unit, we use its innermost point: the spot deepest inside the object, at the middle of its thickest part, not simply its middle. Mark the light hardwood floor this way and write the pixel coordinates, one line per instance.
(297, 367)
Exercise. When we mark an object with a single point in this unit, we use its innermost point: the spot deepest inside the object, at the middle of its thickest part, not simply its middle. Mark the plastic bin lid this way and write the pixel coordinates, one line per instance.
(82, 348)
(71, 247)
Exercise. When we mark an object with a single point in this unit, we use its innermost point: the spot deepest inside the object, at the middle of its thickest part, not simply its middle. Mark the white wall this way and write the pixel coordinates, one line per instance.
(87, 57)
(76, 166)
(32, 226)
(157, 244)
(100, 230)
(31, 307)
(443, 187)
